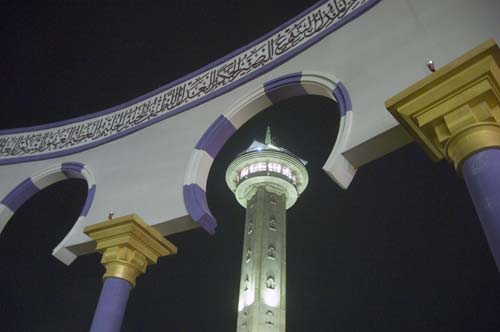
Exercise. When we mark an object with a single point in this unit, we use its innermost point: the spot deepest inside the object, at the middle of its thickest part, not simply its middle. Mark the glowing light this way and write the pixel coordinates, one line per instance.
(287, 172)
(271, 167)
(258, 167)
(241, 305)
(249, 297)
(244, 172)
(271, 297)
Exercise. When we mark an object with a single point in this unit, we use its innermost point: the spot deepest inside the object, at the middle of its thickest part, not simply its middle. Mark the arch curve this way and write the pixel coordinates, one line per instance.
(271, 92)
(37, 182)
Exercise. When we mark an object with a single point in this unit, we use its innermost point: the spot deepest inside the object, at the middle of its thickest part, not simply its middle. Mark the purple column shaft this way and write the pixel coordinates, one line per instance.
(111, 307)
(481, 172)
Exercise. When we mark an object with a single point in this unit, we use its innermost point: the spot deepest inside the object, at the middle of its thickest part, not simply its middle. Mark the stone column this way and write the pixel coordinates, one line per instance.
(128, 245)
(262, 301)
(481, 173)
(111, 306)
(454, 113)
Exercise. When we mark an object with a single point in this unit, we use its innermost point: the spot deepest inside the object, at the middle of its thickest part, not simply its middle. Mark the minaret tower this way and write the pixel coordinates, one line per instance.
(267, 181)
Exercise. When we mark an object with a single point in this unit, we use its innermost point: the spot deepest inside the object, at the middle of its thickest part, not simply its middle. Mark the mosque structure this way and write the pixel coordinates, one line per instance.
(266, 180)
(399, 70)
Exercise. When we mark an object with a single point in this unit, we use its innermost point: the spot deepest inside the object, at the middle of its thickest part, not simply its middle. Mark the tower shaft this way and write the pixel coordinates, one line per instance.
(262, 300)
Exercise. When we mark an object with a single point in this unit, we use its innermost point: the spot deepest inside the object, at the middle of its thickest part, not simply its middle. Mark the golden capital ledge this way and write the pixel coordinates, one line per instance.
(454, 114)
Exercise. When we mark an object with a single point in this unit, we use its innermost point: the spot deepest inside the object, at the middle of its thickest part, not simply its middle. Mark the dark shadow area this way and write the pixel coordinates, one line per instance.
(39, 293)
(401, 250)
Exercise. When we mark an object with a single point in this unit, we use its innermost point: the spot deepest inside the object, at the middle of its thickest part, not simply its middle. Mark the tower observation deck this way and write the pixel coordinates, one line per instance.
(266, 180)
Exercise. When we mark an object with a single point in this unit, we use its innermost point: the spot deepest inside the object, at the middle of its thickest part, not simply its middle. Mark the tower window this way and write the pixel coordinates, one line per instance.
(287, 172)
(273, 224)
(244, 172)
(270, 283)
(273, 167)
(271, 252)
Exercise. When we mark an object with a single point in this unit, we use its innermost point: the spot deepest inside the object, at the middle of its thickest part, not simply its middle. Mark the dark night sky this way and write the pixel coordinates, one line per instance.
(401, 250)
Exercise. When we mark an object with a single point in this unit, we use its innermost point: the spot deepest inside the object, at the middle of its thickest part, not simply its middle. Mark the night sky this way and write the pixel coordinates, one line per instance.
(401, 250)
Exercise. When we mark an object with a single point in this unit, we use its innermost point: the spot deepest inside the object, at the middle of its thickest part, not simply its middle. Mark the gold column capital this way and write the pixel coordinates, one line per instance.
(128, 245)
(455, 111)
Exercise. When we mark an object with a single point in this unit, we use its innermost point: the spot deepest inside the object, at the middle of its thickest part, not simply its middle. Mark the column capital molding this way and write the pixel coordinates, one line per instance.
(455, 111)
(128, 245)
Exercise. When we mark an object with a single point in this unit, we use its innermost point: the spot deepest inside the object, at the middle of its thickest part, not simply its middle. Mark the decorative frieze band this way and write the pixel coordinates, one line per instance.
(57, 139)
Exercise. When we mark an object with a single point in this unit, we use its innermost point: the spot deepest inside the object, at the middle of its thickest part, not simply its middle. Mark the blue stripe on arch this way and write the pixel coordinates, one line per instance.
(72, 166)
(343, 99)
(20, 194)
(195, 200)
(216, 135)
(290, 78)
(72, 169)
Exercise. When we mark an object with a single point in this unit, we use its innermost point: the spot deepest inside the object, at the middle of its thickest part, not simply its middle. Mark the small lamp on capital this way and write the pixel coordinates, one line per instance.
(431, 66)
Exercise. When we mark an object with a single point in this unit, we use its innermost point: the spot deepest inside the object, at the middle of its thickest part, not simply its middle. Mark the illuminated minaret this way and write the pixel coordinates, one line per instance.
(267, 181)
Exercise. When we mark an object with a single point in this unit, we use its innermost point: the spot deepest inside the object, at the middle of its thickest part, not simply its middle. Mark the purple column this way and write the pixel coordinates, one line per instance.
(111, 307)
(481, 172)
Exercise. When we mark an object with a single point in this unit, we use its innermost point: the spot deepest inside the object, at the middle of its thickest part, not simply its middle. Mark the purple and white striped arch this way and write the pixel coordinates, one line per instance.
(30, 186)
(272, 92)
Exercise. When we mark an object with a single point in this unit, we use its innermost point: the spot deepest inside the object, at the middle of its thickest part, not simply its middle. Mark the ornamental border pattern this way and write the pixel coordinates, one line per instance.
(79, 134)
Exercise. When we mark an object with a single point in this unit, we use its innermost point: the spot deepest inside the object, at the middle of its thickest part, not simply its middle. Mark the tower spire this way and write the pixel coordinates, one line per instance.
(269, 139)
(266, 182)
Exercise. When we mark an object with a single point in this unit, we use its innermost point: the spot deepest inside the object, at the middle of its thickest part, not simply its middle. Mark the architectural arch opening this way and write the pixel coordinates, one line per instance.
(39, 181)
(305, 125)
(271, 93)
